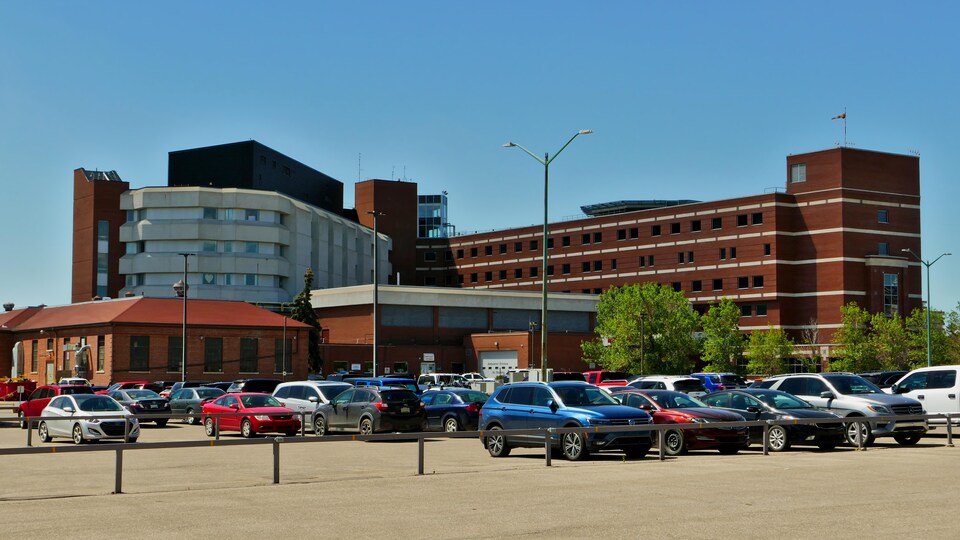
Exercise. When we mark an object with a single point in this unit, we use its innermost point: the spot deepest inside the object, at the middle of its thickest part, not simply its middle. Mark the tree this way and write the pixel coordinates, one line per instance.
(303, 312)
(853, 338)
(889, 342)
(766, 351)
(723, 343)
(942, 348)
(645, 321)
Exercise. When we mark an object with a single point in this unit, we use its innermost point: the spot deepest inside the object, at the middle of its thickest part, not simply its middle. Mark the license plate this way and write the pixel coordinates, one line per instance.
(404, 409)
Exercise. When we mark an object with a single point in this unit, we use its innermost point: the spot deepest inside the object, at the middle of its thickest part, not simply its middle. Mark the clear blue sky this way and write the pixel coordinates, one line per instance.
(688, 100)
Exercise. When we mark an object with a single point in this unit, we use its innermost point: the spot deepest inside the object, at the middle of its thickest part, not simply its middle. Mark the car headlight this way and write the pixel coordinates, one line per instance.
(262, 417)
(788, 417)
(697, 421)
(880, 409)
(93, 420)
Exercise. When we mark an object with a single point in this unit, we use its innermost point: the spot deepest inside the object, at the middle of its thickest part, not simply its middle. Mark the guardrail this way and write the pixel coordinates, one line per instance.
(547, 433)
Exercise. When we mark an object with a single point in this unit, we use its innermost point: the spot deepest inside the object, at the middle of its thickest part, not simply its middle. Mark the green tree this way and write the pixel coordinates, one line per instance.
(723, 343)
(889, 342)
(303, 312)
(942, 350)
(645, 321)
(853, 338)
(767, 350)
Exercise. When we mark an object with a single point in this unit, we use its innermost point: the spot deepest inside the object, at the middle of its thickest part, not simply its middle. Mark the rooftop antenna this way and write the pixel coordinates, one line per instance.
(359, 170)
(843, 117)
(393, 169)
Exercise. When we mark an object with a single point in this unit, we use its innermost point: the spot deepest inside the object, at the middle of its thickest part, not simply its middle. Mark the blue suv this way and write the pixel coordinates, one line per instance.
(564, 404)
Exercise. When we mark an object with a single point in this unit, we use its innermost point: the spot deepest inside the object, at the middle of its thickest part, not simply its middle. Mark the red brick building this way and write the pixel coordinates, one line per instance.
(141, 339)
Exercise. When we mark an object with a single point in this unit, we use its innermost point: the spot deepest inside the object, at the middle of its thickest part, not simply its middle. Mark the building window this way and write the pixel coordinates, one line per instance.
(549, 243)
(213, 355)
(733, 253)
(689, 256)
(679, 257)
(585, 238)
(695, 225)
(283, 355)
(634, 233)
(891, 295)
(766, 250)
(883, 216)
(429, 256)
(597, 266)
(448, 254)
(718, 284)
(696, 285)
(550, 270)
(565, 241)
(174, 353)
(745, 310)
(139, 353)
(251, 215)
(488, 276)
(757, 281)
(534, 245)
(757, 218)
(643, 261)
(488, 250)
(883, 248)
(459, 253)
(676, 286)
(723, 254)
(743, 282)
(621, 234)
(34, 356)
(209, 213)
(503, 249)
(761, 310)
(503, 275)
(517, 247)
(613, 264)
(473, 252)
(716, 223)
(674, 228)
(250, 280)
(597, 237)
(517, 273)
(251, 247)
(798, 172)
(649, 260)
(565, 268)
(585, 266)
(742, 220)
(655, 230)
(101, 354)
(534, 271)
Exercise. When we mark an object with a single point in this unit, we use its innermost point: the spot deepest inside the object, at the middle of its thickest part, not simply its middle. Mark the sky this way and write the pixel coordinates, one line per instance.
(687, 100)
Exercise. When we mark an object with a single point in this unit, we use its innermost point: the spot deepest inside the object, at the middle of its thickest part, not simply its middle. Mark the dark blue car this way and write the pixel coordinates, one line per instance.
(453, 409)
(566, 404)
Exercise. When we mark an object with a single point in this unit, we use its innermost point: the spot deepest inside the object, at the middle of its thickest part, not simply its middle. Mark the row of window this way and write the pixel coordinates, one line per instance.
(66, 365)
(245, 280)
(213, 360)
(743, 282)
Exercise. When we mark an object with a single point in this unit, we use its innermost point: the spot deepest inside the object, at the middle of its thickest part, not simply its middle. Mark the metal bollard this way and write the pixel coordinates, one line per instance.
(766, 438)
(276, 460)
(216, 428)
(861, 440)
(660, 444)
(420, 455)
(126, 429)
(118, 478)
(29, 432)
(548, 452)
(303, 423)
(949, 431)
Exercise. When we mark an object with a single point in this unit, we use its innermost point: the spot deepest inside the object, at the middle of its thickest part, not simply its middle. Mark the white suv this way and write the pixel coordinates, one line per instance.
(938, 388)
(691, 386)
(303, 397)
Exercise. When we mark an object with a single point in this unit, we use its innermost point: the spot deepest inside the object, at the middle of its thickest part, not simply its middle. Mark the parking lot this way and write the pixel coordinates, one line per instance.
(353, 488)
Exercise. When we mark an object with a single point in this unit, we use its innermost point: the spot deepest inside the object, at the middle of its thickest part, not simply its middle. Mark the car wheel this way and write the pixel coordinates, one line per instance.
(451, 424)
(77, 434)
(673, 443)
(856, 430)
(366, 426)
(246, 428)
(574, 446)
(191, 419)
(209, 427)
(44, 433)
(319, 426)
(22, 419)
(496, 443)
(728, 450)
(162, 422)
(778, 439)
(907, 440)
(636, 452)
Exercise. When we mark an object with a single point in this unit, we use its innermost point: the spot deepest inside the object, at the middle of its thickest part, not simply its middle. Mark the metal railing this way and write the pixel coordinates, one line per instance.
(547, 434)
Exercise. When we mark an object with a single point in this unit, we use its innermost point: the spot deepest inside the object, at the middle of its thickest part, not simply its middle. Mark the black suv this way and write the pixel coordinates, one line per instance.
(566, 404)
(370, 409)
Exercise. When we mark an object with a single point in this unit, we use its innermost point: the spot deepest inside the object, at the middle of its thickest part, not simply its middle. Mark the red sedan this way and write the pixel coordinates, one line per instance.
(261, 413)
(669, 407)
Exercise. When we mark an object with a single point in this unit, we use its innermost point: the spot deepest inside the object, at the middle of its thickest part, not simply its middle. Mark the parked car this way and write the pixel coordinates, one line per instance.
(561, 404)
(81, 418)
(185, 384)
(263, 386)
(397, 382)
(938, 388)
(73, 381)
(475, 377)
(851, 396)
(189, 401)
(161, 387)
(442, 380)
(123, 385)
(143, 401)
(714, 382)
(883, 379)
(40, 398)
(261, 413)
(568, 376)
(671, 407)
(371, 409)
(765, 404)
(303, 397)
(678, 383)
(603, 377)
(453, 409)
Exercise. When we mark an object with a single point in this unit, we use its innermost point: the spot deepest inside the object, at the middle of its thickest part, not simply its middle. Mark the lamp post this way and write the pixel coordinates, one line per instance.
(545, 161)
(376, 279)
(928, 264)
(181, 289)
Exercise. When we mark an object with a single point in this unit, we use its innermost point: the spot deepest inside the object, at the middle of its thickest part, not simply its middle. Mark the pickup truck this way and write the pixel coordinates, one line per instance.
(605, 378)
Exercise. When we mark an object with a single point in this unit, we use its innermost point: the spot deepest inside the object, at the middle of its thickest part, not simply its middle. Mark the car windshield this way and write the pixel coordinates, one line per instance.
(781, 400)
(473, 397)
(331, 391)
(143, 394)
(204, 393)
(259, 401)
(77, 390)
(733, 379)
(97, 403)
(676, 400)
(689, 385)
(398, 384)
(853, 384)
(578, 396)
(398, 395)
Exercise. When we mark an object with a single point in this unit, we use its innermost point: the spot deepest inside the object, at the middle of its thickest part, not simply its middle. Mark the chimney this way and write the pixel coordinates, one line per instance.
(8, 306)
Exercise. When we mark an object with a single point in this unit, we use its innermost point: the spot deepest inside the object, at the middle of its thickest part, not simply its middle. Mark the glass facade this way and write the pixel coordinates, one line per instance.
(432, 216)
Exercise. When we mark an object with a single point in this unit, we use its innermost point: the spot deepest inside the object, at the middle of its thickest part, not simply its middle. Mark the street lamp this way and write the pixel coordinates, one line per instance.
(928, 264)
(181, 289)
(376, 279)
(545, 161)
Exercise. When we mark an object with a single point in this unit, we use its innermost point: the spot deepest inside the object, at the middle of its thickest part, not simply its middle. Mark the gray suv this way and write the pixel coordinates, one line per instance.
(851, 396)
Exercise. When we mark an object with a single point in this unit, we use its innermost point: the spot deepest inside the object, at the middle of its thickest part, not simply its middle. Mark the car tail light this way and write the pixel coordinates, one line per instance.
(136, 406)
(720, 387)
(473, 408)
(382, 406)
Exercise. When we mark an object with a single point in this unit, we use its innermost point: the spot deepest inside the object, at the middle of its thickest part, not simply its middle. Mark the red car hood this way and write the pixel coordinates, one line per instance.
(268, 410)
(700, 412)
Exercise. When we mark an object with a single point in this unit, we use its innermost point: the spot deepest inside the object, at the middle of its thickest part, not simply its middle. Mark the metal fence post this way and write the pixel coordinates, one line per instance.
(126, 429)
(276, 460)
(949, 431)
(303, 423)
(420, 455)
(118, 478)
(548, 452)
(29, 432)
(216, 428)
(766, 438)
(861, 442)
(660, 443)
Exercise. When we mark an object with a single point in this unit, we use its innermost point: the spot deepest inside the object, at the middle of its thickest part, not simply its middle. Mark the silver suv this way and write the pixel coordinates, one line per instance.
(851, 396)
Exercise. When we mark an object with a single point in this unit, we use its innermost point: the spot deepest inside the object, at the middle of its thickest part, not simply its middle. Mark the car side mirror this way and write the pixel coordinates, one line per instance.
(553, 405)
(826, 394)
(895, 388)
(647, 408)
(753, 409)
(312, 399)
(69, 409)
(235, 407)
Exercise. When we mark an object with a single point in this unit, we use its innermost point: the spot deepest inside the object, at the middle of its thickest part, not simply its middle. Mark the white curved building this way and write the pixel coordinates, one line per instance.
(246, 244)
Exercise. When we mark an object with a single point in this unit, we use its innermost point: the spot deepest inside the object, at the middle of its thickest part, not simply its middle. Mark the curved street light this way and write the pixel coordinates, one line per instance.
(545, 161)
(928, 264)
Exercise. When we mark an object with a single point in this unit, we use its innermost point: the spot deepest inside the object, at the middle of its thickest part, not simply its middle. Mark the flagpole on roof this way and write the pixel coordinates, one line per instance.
(843, 117)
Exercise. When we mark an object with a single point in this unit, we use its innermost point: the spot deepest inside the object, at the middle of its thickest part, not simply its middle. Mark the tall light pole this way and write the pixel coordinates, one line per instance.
(928, 264)
(181, 288)
(376, 279)
(545, 161)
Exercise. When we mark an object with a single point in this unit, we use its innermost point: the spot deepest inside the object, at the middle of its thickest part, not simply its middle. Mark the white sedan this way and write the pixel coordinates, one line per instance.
(87, 417)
